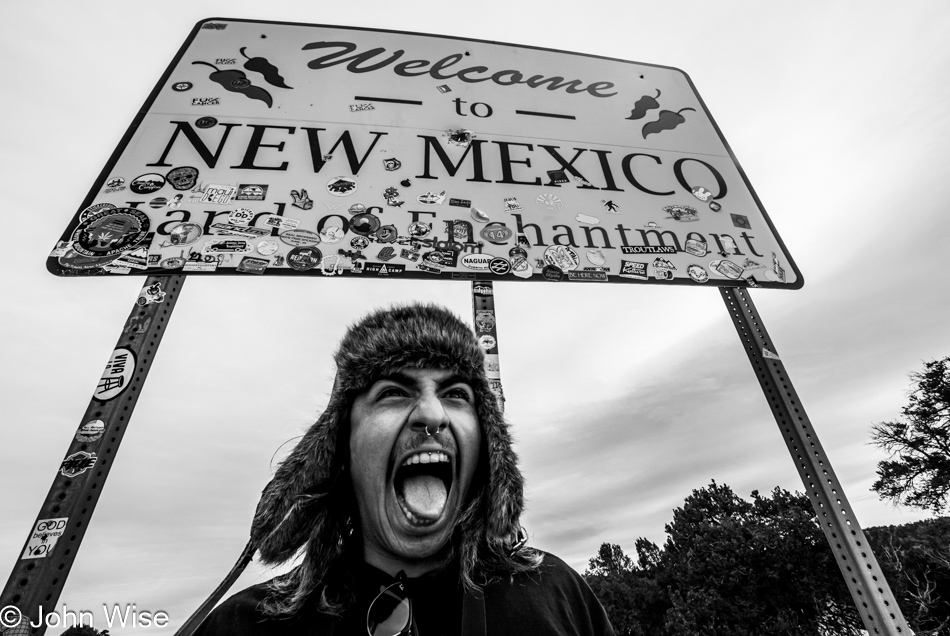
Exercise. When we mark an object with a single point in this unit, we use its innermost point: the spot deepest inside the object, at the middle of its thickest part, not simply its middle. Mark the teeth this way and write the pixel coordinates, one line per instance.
(426, 458)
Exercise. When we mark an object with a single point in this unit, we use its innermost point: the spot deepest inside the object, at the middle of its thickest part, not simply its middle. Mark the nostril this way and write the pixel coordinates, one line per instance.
(435, 429)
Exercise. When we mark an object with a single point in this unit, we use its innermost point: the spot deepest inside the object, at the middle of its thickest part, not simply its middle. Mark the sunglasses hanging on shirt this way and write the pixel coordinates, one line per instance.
(390, 613)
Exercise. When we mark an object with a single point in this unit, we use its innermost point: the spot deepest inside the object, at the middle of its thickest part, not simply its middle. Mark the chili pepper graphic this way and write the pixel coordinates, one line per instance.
(644, 104)
(668, 120)
(265, 68)
(237, 82)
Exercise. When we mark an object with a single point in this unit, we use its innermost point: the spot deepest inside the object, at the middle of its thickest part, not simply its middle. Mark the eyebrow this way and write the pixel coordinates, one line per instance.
(407, 380)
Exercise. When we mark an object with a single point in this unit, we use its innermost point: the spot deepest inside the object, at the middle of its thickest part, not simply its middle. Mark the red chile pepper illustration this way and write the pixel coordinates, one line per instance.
(265, 68)
(644, 104)
(668, 120)
(237, 82)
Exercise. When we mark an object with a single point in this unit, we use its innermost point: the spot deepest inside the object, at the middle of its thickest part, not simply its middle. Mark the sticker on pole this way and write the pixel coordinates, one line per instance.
(116, 376)
(44, 537)
(77, 463)
(263, 137)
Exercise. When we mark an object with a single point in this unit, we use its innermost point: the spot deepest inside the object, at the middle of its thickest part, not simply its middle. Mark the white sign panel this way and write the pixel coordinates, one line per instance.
(291, 149)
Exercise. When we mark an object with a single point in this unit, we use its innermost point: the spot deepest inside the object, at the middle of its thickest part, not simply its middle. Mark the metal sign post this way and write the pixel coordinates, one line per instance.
(483, 307)
(870, 591)
(36, 582)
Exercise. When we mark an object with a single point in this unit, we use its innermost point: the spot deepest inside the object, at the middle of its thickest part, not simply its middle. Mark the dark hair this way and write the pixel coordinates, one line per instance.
(84, 630)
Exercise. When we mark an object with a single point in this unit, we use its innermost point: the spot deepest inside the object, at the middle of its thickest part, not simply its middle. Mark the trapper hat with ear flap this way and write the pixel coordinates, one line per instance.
(412, 336)
(308, 504)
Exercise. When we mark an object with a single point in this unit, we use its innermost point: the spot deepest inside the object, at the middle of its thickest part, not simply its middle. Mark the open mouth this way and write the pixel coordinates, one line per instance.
(423, 482)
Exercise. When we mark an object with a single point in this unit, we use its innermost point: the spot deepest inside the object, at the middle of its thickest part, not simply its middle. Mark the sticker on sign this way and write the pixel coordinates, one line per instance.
(374, 134)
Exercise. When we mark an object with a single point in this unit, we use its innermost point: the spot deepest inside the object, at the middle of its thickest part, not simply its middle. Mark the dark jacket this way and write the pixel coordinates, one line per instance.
(553, 601)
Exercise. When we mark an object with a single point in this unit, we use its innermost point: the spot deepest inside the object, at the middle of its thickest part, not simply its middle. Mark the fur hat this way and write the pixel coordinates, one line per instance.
(309, 503)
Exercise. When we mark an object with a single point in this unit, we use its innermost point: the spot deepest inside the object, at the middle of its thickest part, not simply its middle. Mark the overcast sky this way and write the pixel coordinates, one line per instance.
(623, 398)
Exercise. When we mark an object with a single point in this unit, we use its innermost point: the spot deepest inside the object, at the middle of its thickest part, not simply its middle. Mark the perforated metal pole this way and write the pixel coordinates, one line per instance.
(483, 307)
(870, 591)
(37, 580)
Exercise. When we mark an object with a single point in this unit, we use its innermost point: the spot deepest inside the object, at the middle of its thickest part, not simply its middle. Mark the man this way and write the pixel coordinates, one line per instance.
(402, 503)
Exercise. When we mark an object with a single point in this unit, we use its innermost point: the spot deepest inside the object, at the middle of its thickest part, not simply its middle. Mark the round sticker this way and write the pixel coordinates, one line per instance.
(158, 202)
(91, 431)
(487, 343)
(364, 224)
(359, 242)
(110, 232)
(476, 261)
(303, 258)
(499, 266)
(173, 262)
(387, 234)
(552, 273)
(147, 183)
(562, 257)
(184, 234)
(697, 273)
(117, 375)
(419, 229)
(496, 233)
(341, 186)
(241, 216)
(206, 122)
(517, 252)
(92, 209)
(356, 208)
(115, 182)
(300, 237)
(331, 234)
(267, 247)
(549, 202)
(181, 86)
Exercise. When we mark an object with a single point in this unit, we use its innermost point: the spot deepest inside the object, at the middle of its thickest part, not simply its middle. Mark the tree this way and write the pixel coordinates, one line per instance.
(755, 567)
(610, 561)
(729, 566)
(915, 560)
(630, 593)
(918, 471)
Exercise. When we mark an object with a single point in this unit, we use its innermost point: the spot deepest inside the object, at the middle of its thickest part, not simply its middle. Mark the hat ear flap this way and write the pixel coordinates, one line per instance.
(288, 509)
(505, 483)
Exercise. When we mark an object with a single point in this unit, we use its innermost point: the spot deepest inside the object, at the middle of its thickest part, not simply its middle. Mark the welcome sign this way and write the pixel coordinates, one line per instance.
(290, 149)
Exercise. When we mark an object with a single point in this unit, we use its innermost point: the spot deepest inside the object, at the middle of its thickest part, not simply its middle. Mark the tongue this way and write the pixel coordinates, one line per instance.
(425, 496)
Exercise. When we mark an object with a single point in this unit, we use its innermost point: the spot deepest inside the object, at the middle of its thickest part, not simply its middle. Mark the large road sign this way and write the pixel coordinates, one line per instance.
(291, 149)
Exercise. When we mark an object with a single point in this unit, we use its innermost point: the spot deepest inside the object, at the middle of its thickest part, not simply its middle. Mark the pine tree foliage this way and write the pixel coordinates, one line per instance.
(917, 473)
